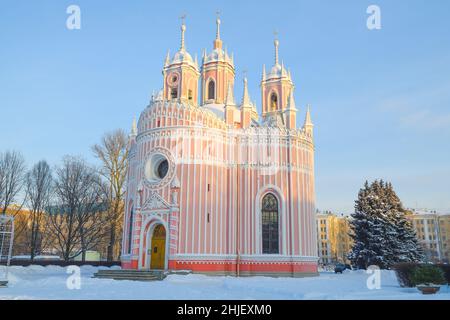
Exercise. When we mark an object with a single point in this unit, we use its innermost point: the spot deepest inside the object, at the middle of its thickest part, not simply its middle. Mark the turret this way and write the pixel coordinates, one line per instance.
(181, 75)
(217, 72)
(276, 87)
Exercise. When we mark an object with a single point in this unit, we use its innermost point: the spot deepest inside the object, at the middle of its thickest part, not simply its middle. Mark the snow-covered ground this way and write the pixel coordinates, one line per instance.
(38, 282)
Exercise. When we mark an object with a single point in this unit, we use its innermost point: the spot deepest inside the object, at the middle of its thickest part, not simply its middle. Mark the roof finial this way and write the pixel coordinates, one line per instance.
(230, 97)
(308, 122)
(245, 97)
(134, 127)
(276, 43)
(183, 29)
(217, 41)
(218, 25)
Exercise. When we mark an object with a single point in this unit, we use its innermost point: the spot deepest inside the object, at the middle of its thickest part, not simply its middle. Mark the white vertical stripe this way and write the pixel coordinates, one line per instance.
(199, 227)
(188, 184)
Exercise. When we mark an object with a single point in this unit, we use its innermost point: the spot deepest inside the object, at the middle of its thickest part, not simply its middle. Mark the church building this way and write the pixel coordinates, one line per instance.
(215, 187)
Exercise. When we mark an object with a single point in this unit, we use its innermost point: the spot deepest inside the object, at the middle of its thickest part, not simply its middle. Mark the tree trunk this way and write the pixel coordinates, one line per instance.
(112, 240)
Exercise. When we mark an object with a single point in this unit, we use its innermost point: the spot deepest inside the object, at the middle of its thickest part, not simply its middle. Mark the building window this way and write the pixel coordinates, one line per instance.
(190, 95)
(211, 90)
(130, 230)
(270, 224)
(174, 93)
(273, 101)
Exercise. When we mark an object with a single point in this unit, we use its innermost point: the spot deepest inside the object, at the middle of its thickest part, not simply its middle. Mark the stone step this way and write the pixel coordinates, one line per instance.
(129, 278)
(144, 275)
(126, 275)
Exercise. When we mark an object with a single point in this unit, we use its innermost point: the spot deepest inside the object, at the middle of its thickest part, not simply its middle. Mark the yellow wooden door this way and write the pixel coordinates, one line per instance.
(158, 248)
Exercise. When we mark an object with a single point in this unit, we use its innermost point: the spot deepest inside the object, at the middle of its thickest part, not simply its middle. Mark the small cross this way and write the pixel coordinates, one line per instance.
(275, 33)
(218, 14)
(244, 73)
(183, 17)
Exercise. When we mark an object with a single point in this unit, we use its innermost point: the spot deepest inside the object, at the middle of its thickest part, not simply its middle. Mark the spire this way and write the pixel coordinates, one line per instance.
(291, 102)
(134, 127)
(264, 72)
(167, 61)
(218, 26)
(183, 29)
(229, 101)
(217, 41)
(276, 43)
(245, 97)
(308, 122)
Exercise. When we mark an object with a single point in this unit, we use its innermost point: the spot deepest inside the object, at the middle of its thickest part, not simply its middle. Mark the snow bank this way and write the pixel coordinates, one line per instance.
(37, 282)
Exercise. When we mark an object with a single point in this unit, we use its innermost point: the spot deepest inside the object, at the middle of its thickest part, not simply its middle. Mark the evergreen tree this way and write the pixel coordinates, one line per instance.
(382, 234)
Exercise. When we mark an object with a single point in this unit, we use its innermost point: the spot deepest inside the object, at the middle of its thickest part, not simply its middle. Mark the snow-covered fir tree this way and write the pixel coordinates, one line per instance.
(381, 232)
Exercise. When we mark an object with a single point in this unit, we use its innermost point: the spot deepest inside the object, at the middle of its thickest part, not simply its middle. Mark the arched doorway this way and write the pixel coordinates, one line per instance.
(269, 220)
(158, 248)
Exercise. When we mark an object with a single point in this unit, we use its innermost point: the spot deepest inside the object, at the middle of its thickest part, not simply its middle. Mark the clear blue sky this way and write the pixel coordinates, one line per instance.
(380, 99)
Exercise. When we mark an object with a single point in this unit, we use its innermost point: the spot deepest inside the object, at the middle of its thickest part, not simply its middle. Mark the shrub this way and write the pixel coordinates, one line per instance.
(403, 272)
(446, 269)
(427, 274)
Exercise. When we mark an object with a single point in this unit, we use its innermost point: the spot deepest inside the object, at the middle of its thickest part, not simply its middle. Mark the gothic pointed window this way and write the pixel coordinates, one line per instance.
(211, 90)
(273, 101)
(269, 215)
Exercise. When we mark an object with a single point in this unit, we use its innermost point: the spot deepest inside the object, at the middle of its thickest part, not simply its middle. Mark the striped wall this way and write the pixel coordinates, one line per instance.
(223, 174)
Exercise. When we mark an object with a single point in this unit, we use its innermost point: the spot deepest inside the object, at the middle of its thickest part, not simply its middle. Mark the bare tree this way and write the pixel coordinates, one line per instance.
(12, 177)
(39, 190)
(76, 215)
(113, 154)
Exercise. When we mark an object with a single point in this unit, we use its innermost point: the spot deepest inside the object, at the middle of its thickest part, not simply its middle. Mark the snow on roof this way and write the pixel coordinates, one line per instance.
(217, 109)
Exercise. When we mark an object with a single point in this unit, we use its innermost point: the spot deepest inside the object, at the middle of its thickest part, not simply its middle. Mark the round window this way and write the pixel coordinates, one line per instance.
(156, 168)
(162, 169)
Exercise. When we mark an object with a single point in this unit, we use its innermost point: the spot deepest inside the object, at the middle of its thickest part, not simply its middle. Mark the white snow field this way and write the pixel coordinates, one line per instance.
(36, 282)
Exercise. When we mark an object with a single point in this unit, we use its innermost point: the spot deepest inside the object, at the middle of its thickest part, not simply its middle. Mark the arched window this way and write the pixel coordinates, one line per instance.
(174, 93)
(211, 90)
(269, 216)
(273, 101)
(130, 230)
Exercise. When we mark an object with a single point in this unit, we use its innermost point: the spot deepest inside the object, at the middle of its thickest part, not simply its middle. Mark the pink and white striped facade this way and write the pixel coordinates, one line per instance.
(223, 159)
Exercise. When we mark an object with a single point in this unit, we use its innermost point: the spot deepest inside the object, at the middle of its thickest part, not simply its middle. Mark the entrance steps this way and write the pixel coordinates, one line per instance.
(136, 275)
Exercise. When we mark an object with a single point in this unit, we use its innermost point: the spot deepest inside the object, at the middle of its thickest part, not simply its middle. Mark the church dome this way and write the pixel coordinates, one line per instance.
(277, 71)
(218, 54)
(182, 56)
